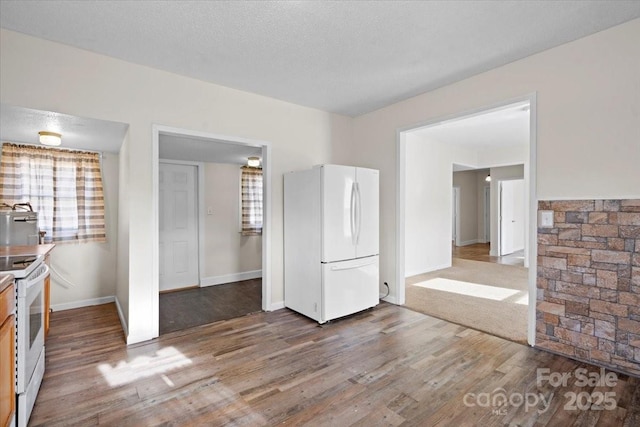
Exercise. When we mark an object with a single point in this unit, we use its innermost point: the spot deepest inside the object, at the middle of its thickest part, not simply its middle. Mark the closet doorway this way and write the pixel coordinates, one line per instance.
(226, 274)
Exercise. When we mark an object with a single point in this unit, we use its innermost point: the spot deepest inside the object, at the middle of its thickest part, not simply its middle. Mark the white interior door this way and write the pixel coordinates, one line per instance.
(368, 212)
(178, 226)
(511, 216)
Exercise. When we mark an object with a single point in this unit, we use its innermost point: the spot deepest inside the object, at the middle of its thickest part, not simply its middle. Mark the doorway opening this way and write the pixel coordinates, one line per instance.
(208, 267)
(499, 139)
(472, 197)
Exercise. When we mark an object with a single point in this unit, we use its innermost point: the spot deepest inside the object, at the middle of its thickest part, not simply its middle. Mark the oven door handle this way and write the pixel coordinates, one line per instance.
(39, 277)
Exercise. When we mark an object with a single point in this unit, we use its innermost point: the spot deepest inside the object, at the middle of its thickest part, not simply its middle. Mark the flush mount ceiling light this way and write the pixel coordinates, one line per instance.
(253, 162)
(488, 178)
(50, 138)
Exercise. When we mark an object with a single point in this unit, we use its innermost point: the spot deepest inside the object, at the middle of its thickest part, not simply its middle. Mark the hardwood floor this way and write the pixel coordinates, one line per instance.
(480, 252)
(199, 306)
(385, 366)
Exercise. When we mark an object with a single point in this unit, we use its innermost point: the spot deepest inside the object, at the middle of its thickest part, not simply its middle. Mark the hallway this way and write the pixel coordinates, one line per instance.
(480, 252)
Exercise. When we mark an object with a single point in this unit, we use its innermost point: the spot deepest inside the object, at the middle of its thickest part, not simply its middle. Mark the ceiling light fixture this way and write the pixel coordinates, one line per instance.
(488, 178)
(50, 138)
(253, 162)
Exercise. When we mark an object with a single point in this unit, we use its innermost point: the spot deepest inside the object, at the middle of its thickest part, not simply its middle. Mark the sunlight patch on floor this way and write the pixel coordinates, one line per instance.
(476, 290)
(165, 360)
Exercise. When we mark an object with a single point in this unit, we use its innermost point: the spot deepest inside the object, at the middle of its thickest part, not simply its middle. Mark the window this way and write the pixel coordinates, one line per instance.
(251, 200)
(64, 187)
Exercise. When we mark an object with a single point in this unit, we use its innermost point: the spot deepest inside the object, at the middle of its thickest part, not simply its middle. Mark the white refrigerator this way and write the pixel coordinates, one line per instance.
(331, 233)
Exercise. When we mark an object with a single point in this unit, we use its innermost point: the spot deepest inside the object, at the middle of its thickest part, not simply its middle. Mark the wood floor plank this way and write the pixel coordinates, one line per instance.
(480, 252)
(385, 366)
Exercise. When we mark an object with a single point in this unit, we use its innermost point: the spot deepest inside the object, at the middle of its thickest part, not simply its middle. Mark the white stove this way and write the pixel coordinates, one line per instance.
(30, 272)
(20, 266)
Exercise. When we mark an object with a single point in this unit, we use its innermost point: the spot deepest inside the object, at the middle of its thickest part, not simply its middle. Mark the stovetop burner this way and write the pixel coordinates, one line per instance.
(13, 263)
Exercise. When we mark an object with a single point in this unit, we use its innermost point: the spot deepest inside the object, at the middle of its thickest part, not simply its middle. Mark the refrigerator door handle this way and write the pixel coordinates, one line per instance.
(351, 267)
(359, 209)
(352, 216)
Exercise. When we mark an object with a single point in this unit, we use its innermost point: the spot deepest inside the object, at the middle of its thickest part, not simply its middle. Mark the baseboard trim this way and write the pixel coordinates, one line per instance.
(468, 242)
(437, 267)
(276, 306)
(389, 298)
(138, 339)
(230, 278)
(123, 321)
(82, 303)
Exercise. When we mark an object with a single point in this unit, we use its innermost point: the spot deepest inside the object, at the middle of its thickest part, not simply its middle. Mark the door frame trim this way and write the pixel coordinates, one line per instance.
(530, 170)
(486, 214)
(156, 130)
(456, 202)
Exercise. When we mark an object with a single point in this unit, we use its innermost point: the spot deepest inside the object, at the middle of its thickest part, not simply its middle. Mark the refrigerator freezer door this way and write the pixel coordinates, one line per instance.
(368, 208)
(349, 287)
(338, 217)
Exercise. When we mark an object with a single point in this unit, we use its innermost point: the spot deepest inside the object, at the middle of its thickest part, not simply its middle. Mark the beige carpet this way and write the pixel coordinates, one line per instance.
(481, 295)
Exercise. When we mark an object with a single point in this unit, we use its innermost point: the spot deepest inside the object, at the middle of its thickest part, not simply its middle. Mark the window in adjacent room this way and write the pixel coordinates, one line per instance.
(63, 186)
(251, 200)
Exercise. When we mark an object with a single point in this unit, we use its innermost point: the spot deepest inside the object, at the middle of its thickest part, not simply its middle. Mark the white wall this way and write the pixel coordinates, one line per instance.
(341, 140)
(89, 269)
(588, 124)
(227, 253)
(49, 76)
(122, 268)
(429, 172)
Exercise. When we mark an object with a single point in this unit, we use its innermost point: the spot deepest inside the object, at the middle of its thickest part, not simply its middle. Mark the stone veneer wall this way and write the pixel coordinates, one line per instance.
(588, 305)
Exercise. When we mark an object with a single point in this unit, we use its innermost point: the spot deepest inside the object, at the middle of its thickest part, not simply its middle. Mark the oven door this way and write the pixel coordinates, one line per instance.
(30, 325)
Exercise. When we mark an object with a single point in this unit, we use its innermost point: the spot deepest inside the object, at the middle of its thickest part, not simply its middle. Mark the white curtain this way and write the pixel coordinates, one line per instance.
(64, 187)
(251, 183)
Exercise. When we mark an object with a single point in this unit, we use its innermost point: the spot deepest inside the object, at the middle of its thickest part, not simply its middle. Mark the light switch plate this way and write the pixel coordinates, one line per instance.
(545, 219)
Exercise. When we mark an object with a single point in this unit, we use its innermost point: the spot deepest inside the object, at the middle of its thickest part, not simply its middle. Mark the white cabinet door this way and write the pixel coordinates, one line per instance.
(338, 222)
(178, 226)
(367, 212)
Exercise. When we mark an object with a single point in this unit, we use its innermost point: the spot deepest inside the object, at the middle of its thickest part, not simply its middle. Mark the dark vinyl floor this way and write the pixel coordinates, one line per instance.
(194, 307)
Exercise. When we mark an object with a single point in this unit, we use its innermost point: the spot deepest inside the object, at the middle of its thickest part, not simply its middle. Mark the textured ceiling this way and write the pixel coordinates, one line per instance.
(205, 150)
(339, 56)
(19, 124)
